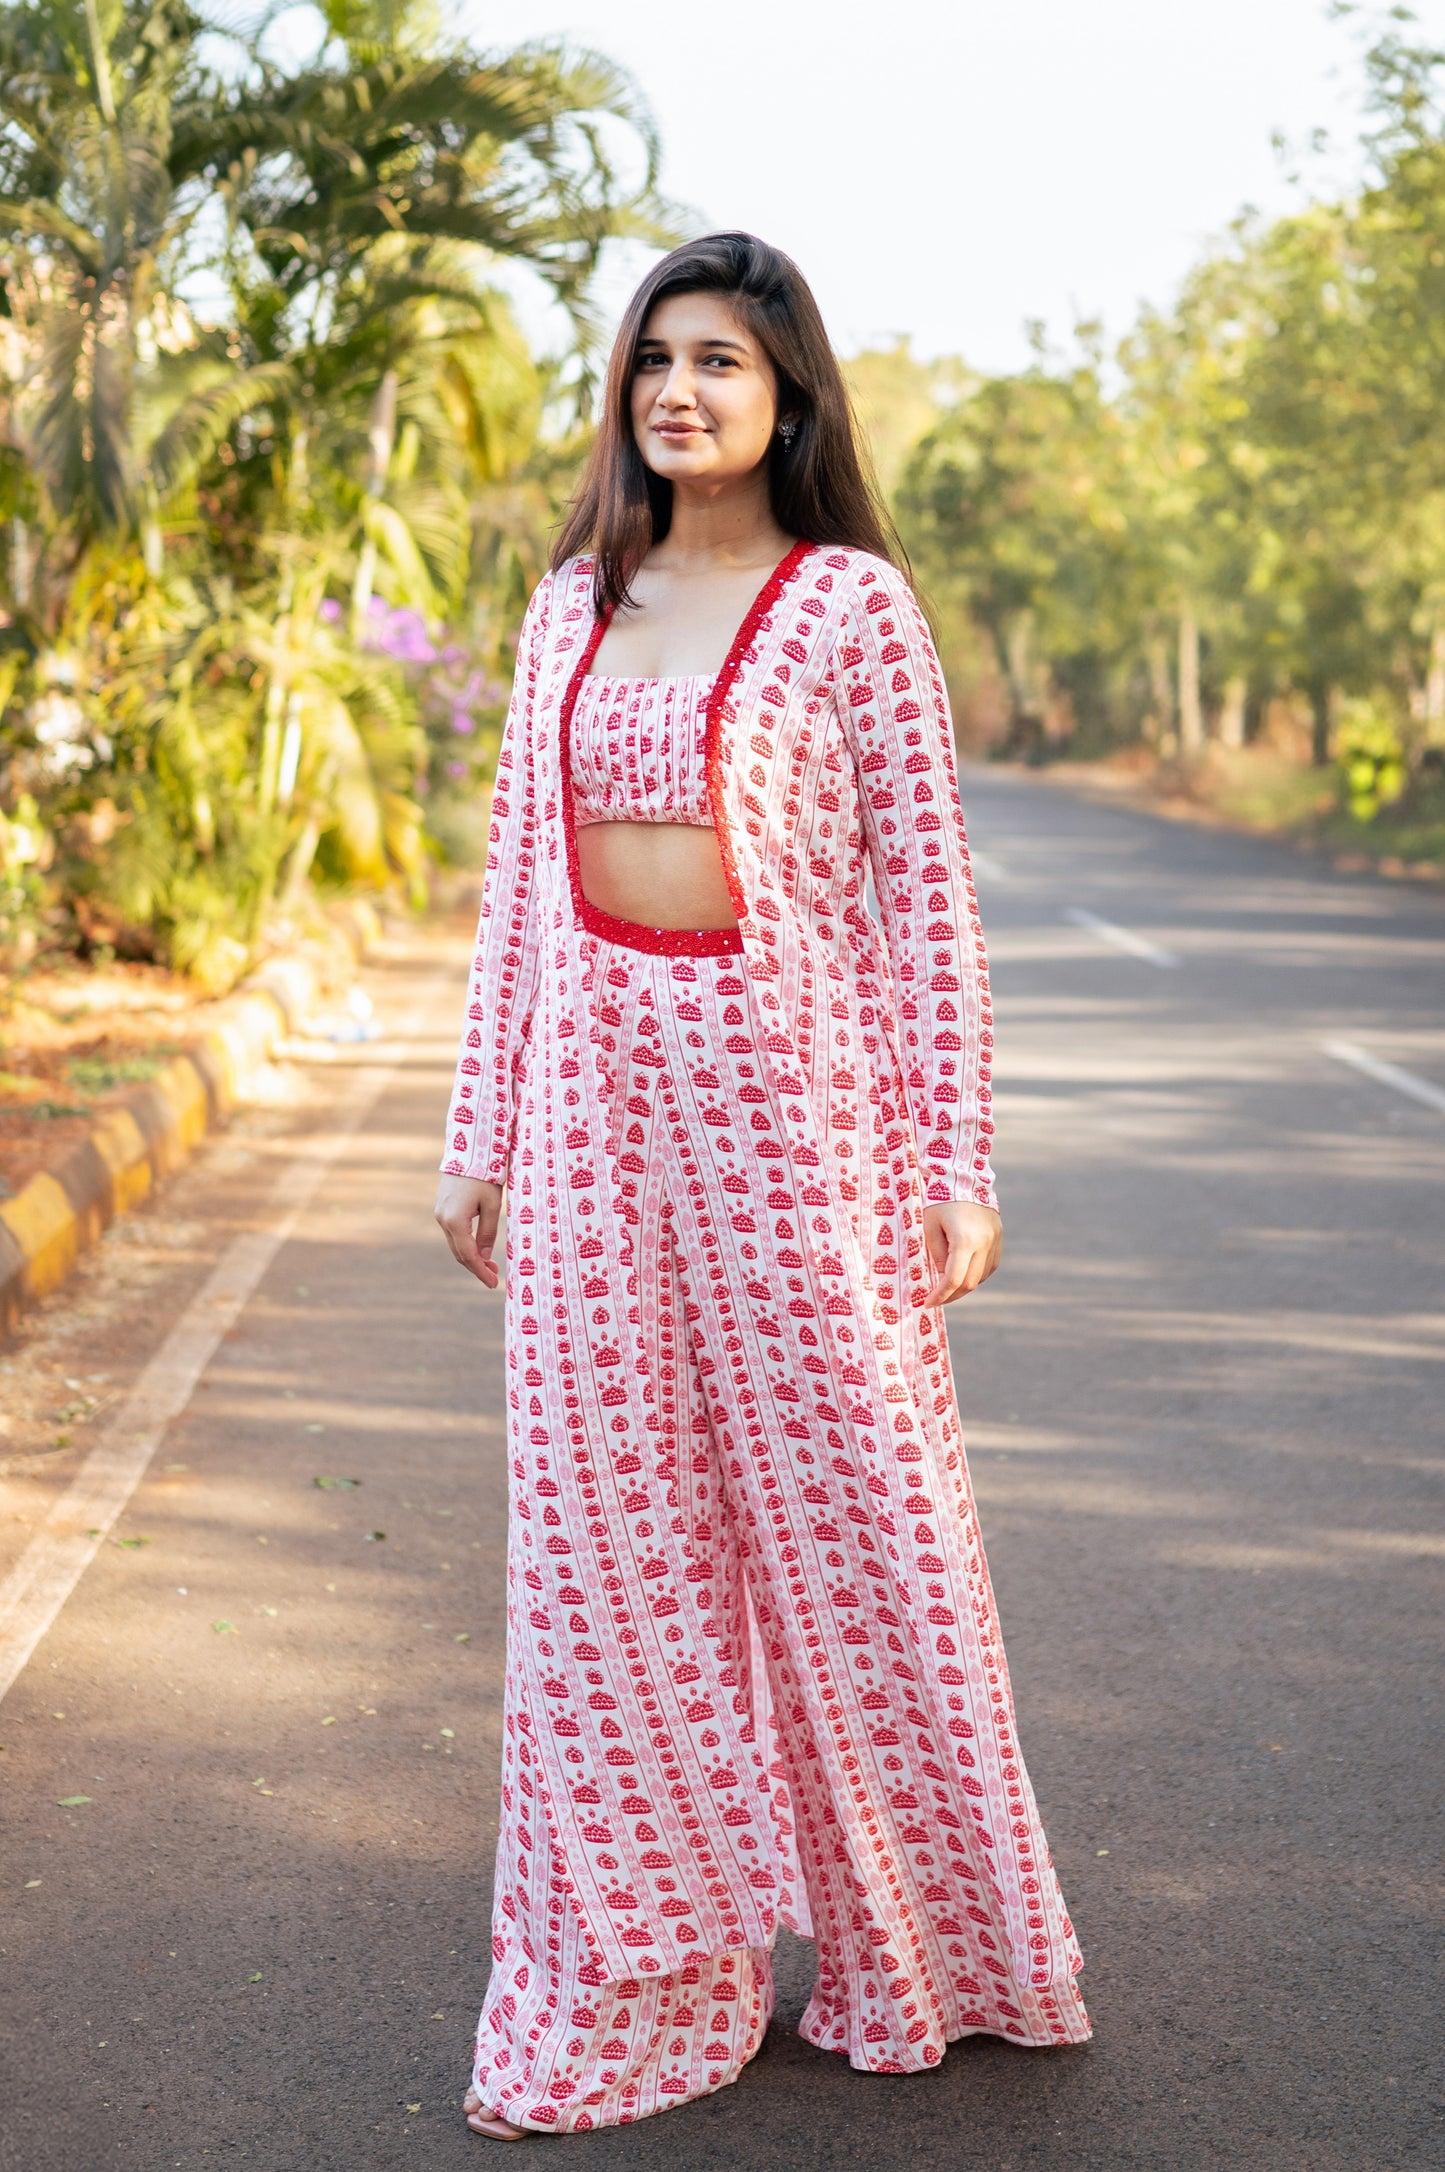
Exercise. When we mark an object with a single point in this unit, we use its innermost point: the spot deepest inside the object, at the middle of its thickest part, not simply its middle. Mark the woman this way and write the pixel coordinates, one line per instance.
(753, 1671)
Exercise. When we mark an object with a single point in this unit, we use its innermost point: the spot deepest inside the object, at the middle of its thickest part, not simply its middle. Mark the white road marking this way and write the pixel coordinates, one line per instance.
(67, 1542)
(1136, 946)
(1387, 1074)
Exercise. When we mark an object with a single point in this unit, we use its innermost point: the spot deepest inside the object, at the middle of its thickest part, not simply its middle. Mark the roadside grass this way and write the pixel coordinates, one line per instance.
(1262, 789)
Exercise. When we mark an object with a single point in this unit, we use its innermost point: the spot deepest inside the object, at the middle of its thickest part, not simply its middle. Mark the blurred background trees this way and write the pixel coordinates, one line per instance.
(278, 467)
(273, 473)
(1232, 532)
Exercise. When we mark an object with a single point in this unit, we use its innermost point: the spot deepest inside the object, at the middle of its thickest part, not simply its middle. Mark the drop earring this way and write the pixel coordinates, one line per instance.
(787, 431)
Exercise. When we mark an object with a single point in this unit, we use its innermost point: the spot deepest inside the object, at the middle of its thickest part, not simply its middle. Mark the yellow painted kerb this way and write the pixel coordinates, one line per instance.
(43, 1224)
(185, 1091)
(119, 1140)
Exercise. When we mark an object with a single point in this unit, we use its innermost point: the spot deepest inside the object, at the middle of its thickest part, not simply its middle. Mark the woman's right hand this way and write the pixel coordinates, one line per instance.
(469, 1211)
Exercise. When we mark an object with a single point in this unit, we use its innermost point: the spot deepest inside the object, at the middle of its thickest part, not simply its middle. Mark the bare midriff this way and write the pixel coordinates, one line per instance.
(660, 874)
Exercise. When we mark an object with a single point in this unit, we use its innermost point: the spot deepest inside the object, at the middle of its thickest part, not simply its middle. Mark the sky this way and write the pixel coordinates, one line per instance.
(950, 169)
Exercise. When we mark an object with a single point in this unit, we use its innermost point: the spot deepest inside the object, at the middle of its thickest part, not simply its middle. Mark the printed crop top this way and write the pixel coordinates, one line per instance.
(639, 751)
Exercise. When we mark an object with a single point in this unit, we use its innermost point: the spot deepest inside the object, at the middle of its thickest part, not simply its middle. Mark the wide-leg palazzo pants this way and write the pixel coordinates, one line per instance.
(870, 1761)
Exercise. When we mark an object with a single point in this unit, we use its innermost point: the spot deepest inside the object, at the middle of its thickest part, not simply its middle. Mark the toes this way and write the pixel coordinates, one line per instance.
(483, 2120)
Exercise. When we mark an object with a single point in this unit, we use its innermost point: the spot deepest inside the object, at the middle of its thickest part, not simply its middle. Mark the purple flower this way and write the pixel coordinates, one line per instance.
(330, 610)
(400, 633)
(463, 723)
(456, 769)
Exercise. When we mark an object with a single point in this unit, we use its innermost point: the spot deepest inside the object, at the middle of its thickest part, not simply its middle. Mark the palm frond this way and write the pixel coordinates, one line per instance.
(208, 417)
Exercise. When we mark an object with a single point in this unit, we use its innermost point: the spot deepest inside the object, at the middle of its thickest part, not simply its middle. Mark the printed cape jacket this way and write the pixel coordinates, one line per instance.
(829, 758)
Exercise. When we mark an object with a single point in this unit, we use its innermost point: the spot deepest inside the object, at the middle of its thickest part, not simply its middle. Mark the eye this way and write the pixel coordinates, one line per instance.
(650, 358)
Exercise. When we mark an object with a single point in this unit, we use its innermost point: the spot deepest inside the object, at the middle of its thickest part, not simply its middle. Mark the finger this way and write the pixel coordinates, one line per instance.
(467, 1253)
(950, 1279)
(938, 1251)
(985, 1262)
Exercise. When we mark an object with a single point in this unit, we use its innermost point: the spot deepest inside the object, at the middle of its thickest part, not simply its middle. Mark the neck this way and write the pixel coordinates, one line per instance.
(721, 524)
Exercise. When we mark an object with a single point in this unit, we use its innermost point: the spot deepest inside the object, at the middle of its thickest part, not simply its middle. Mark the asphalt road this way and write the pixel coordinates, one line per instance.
(1204, 1407)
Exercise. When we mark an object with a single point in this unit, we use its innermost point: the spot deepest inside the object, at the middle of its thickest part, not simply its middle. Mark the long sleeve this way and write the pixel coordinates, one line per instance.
(895, 710)
(503, 985)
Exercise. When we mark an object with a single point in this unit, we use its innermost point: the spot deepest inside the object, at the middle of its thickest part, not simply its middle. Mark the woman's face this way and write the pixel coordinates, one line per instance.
(704, 394)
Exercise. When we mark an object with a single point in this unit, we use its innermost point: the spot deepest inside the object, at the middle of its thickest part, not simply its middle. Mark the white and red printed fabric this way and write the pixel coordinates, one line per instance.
(754, 1672)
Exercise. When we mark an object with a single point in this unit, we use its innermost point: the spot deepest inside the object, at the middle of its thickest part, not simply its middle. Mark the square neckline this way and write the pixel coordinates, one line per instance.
(671, 678)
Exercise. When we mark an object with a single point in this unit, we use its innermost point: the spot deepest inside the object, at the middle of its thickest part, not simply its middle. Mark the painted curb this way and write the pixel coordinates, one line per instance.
(139, 1140)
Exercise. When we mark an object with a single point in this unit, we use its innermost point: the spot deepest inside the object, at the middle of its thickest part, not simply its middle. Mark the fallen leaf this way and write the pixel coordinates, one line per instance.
(71, 1802)
(1101, 1851)
(57, 1715)
(464, 1638)
(450, 1733)
(257, 1977)
(330, 1720)
(373, 1535)
(273, 1611)
(224, 1628)
(31, 1884)
(133, 1542)
(333, 1485)
(95, 1534)
(439, 2017)
(413, 2107)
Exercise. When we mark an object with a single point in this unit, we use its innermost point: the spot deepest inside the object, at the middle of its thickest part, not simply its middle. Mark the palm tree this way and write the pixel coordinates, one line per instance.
(121, 401)
(187, 502)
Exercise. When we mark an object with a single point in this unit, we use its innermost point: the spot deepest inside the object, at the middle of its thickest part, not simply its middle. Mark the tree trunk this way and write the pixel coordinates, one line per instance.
(290, 750)
(381, 431)
(276, 691)
(1321, 717)
(302, 855)
(20, 563)
(1161, 688)
(1435, 690)
(1191, 713)
(1232, 713)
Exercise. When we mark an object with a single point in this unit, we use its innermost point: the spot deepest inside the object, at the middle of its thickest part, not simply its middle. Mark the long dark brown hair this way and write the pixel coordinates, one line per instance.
(821, 485)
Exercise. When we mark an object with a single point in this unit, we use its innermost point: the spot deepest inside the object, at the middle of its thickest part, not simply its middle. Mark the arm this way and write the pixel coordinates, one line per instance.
(504, 978)
(895, 710)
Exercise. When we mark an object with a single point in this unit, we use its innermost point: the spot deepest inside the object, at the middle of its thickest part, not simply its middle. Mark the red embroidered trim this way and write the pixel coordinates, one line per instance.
(763, 602)
(633, 934)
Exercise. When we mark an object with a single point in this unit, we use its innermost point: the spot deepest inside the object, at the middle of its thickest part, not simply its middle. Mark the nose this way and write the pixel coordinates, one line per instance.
(679, 388)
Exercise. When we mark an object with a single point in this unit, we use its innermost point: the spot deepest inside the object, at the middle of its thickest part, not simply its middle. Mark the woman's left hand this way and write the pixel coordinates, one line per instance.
(965, 1246)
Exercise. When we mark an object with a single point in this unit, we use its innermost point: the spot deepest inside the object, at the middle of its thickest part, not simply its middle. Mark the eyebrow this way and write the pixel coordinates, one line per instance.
(655, 339)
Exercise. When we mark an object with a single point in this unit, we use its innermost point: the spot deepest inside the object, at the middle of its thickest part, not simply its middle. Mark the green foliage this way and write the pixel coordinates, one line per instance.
(204, 516)
(1246, 508)
(1371, 759)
